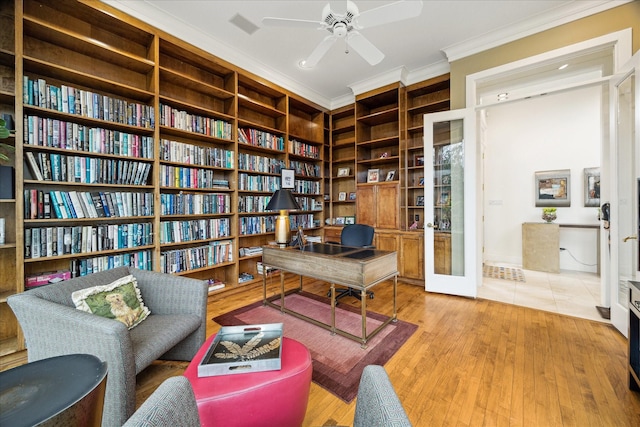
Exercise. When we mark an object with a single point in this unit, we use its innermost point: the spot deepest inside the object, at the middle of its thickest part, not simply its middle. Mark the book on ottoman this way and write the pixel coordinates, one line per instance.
(243, 349)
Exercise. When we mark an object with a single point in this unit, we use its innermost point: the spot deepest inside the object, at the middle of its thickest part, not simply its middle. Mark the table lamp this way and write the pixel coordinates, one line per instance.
(283, 201)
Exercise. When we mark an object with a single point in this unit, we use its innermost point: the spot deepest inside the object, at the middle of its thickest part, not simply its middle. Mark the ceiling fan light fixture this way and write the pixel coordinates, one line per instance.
(340, 29)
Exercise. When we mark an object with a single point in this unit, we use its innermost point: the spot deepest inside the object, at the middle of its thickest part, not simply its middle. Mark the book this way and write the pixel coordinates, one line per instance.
(46, 278)
(33, 166)
(97, 203)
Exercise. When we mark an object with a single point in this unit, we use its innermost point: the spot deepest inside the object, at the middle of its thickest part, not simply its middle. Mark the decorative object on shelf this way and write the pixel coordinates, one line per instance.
(342, 196)
(373, 175)
(591, 187)
(349, 220)
(419, 160)
(390, 175)
(384, 155)
(283, 201)
(2, 222)
(340, 220)
(549, 214)
(446, 179)
(421, 182)
(288, 178)
(6, 150)
(444, 198)
(352, 195)
(343, 171)
(420, 201)
(553, 188)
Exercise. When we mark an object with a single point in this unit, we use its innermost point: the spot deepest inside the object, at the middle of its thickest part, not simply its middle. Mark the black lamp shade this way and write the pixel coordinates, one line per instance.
(282, 200)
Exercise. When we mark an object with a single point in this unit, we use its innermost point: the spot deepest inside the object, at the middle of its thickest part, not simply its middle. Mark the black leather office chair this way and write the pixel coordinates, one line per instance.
(359, 235)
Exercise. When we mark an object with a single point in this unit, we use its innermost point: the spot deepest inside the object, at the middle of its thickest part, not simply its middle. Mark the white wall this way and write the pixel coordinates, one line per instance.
(559, 131)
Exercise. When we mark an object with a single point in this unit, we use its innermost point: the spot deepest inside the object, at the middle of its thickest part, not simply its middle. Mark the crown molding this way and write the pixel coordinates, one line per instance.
(425, 73)
(396, 75)
(544, 21)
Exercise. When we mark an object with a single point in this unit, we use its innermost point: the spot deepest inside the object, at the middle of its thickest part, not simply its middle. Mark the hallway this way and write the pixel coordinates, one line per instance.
(573, 293)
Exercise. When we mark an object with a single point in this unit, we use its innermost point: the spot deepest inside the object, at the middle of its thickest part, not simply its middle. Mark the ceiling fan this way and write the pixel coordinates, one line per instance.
(346, 26)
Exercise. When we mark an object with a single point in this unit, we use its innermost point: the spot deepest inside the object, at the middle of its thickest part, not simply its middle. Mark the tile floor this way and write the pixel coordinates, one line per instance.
(574, 293)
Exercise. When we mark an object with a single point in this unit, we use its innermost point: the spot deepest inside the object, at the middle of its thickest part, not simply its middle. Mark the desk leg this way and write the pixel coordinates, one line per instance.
(264, 286)
(363, 309)
(333, 309)
(395, 295)
(282, 291)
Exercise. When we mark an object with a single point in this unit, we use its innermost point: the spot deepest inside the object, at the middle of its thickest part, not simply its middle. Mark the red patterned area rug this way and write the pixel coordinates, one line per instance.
(337, 361)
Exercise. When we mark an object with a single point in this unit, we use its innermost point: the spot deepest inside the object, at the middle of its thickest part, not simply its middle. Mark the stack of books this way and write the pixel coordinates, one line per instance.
(251, 251)
(261, 268)
(215, 284)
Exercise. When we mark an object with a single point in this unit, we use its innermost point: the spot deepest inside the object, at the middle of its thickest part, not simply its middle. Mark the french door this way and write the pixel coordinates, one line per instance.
(625, 178)
(451, 243)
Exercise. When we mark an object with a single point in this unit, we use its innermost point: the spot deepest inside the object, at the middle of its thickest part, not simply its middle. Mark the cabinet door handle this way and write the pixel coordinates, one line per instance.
(629, 238)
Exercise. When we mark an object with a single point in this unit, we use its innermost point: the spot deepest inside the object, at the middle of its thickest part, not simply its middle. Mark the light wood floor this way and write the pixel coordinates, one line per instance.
(478, 362)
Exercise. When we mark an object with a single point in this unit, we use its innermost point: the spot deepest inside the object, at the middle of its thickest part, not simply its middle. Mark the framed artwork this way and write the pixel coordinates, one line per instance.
(419, 161)
(446, 179)
(373, 175)
(444, 198)
(420, 201)
(340, 220)
(288, 178)
(592, 187)
(553, 188)
(349, 220)
(421, 182)
(342, 196)
(390, 175)
(352, 195)
(343, 171)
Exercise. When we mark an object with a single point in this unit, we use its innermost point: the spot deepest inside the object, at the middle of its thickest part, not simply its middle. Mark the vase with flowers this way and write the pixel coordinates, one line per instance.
(549, 214)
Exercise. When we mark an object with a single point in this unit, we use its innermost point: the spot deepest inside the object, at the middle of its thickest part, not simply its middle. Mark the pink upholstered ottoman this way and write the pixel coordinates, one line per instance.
(268, 398)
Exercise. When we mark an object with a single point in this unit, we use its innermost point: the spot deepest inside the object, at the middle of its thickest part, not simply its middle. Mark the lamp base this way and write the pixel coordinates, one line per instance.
(283, 226)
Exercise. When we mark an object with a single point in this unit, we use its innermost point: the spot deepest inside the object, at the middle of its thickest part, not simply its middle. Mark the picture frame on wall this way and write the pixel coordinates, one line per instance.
(553, 188)
(343, 171)
(592, 187)
(373, 175)
(288, 179)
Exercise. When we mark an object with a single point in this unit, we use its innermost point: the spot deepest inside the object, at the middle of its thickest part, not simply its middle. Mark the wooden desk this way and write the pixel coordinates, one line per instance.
(357, 268)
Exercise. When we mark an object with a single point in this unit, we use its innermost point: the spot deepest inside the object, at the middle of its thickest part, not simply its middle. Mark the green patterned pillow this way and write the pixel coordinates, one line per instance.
(120, 300)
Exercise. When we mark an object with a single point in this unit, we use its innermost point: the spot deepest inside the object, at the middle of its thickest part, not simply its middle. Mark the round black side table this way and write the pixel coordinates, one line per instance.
(59, 391)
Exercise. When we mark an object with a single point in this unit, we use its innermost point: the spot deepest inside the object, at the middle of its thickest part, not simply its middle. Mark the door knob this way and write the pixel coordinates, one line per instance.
(629, 238)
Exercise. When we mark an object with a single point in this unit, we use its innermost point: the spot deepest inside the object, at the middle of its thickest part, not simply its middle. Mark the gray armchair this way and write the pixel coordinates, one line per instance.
(173, 404)
(377, 404)
(175, 330)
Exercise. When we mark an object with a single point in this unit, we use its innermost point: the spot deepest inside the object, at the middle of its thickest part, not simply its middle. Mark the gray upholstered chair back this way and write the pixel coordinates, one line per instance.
(378, 404)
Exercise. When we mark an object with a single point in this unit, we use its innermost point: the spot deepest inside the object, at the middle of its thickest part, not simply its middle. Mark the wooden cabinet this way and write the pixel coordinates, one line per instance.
(377, 205)
(442, 253)
(412, 256)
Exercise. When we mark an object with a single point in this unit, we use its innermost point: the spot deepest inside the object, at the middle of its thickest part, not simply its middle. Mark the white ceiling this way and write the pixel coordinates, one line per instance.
(414, 49)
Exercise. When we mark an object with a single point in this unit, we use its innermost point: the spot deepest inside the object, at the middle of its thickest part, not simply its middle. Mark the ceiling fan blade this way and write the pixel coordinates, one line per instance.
(364, 48)
(319, 52)
(292, 23)
(391, 12)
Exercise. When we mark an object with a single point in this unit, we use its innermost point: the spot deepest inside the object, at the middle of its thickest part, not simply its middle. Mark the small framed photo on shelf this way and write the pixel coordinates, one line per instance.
(340, 220)
(373, 175)
(343, 171)
(352, 195)
(384, 155)
(446, 179)
(421, 182)
(349, 220)
(420, 201)
(419, 160)
(444, 198)
(288, 178)
(390, 175)
(342, 196)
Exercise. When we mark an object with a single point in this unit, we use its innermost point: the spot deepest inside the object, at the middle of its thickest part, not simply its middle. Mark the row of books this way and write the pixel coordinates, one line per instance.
(176, 261)
(142, 260)
(306, 187)
(40, 204)
(253, 163)
(305, 169)
(196, 229)
(65, 240)
(303, 220)
(309, 204)
(67, 99)
(257, 225)
(303, 149)
(184, 120)
(181, 177)
(258, 182)
(250, 251)
(180, 152)
(259, 138)
(56, 133)
(250, 204)
(86, 170)
(195, 204)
